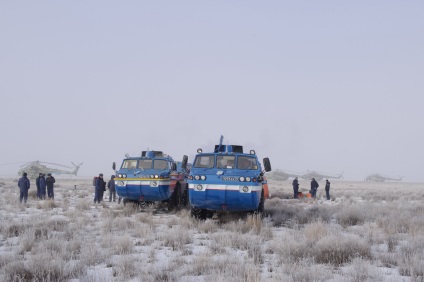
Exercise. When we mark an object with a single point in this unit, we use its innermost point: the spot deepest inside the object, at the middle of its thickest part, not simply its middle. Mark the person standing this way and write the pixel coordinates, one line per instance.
(100, 184)
(295, 184)
(42, 187)
(50, 183)
(37, 183)
(23, 185)
(111, 187)
(327, 189)
(103, 191)
(314, 187)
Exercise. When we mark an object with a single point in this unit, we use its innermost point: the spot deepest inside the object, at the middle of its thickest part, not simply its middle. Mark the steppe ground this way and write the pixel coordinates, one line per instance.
(367, 232)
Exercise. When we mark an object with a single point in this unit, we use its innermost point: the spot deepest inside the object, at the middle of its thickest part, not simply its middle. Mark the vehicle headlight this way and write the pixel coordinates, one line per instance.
(245, 188)
(199, 187)
(203, 177)
(120, 175)
(241, 178)
(196, 177)
(152, 176)
(125, 176)
(248, 179)
(156, 176)
(190, 177)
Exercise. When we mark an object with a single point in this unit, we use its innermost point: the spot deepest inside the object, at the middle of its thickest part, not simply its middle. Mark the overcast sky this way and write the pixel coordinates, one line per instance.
(329, 86)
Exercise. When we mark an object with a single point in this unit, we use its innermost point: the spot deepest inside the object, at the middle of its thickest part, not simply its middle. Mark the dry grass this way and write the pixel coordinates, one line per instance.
(363, 235)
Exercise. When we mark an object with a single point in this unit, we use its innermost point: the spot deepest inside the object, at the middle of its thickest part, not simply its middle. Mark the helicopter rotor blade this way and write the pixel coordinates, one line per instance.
(26, 164)
(15, 163)
(56, 164)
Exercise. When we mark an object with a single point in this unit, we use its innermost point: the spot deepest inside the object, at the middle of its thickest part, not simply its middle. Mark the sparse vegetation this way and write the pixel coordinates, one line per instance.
(362, 235)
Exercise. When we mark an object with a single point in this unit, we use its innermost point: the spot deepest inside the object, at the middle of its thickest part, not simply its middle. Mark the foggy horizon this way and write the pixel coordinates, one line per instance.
(329, 87)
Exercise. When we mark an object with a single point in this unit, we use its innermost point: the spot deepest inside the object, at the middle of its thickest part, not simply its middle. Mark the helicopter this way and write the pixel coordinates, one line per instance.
(281, 175)
(34, 168)
(379, 178)
(318, 176)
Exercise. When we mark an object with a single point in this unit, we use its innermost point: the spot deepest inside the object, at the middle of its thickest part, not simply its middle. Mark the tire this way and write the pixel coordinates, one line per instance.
(261, 206)
(185, 198)
(197, 213)
(125, 201)
(175, 200)
(209, 214)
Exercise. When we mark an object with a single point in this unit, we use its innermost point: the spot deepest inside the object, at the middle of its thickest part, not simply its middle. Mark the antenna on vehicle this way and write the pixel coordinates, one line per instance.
(220, 144)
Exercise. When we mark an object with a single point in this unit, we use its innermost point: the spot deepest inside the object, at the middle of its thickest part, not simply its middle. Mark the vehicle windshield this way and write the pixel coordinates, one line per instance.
(245, 162)
(145, 164)
(160, 164)
(205, 161)
(129, 164)
(225, 162)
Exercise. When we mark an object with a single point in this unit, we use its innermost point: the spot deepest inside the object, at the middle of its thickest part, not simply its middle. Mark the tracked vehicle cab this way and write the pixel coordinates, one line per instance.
(227, 179)
(153, 176)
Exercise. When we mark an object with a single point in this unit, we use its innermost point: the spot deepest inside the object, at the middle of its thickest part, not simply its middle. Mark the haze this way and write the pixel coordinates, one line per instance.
(329, 86)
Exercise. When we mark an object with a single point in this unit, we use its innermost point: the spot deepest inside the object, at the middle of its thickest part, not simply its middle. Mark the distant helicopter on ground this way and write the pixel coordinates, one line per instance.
(318, 176)
(281, 175)
(34, 168)
(379, 178)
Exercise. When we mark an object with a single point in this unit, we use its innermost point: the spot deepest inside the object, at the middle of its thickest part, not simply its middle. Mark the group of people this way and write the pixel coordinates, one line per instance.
(41, 182)
(44, 183)
(314, 188)
(100, 188)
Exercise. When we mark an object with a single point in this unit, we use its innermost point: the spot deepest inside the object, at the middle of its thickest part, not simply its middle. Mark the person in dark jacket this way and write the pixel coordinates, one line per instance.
(37, 183)
(295, 184)
(314, 187)
(50, 183)
(111, 187)
(327, 189)
(23, 185)
(102, 192)
(43, 187)
(100, 184)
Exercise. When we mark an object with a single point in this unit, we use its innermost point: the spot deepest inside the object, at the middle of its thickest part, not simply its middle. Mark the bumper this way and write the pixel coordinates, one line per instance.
(144, 190)
(225, 197)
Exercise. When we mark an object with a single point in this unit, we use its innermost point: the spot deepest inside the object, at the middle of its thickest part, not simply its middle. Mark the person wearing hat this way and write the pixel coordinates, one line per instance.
(37, 183)
(327, 189)
(23, 185)
(100, 184)
(295, 184)
(50, 183)
(314, 187)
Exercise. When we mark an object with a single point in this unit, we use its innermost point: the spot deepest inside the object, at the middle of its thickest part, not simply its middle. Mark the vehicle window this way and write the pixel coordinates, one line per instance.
(244, 162)
(145, 164)
(225, 162)
(129, 164)
(160, 164)
(207, 161)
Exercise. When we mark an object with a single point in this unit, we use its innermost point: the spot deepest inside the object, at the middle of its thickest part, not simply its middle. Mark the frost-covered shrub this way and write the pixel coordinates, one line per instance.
(339, 249)
(351, 215)
(83, 204)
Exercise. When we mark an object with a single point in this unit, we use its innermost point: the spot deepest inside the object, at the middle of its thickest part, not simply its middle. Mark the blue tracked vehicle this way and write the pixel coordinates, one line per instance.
(152, 177)
(227, 179)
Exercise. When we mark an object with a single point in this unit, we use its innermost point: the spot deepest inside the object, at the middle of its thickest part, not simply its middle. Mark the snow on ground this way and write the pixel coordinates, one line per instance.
(368, 231)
